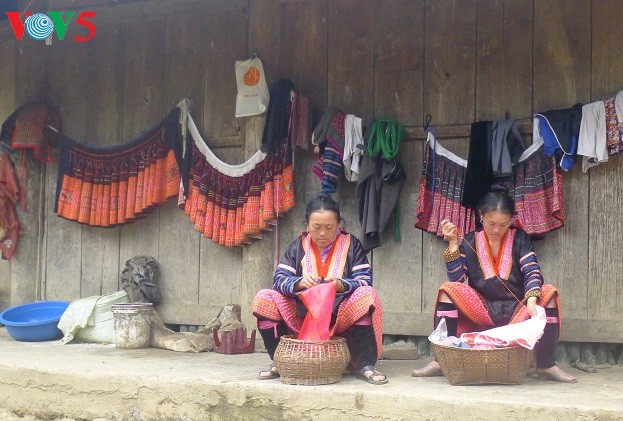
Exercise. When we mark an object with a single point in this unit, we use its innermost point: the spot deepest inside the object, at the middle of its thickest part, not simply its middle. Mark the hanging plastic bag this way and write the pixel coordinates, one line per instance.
(440, 335)
(253, 97)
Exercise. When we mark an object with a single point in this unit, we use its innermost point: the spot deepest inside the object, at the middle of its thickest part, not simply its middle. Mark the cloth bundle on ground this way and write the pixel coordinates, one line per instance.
(535, 184)
(202, 340)
(164, 338)
(90, 319)
(115, 185)
(139, 279)
(10, 229)
(234, 204)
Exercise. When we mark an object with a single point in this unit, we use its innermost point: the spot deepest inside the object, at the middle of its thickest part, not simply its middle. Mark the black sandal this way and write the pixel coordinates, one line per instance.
(273, 374)
(370, 379)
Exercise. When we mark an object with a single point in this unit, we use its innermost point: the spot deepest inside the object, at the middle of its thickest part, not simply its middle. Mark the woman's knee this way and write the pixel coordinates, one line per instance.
(551, 304)
(444, 298)
(264, 293)
(551, 290)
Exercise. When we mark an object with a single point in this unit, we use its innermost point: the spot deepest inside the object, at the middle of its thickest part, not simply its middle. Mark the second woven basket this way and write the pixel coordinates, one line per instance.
(464, 366)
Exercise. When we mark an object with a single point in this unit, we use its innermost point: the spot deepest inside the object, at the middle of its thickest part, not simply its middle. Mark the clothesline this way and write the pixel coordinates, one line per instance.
(460, 131)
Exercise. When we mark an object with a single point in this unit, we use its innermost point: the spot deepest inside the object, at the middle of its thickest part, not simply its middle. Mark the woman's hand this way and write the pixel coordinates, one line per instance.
(450, 232)
(531, 304)
(308, 281)
(339, 285)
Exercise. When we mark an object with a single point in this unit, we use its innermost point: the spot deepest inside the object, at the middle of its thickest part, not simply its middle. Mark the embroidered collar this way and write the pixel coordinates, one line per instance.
(500, 266)
(325, 253)
(335, 259)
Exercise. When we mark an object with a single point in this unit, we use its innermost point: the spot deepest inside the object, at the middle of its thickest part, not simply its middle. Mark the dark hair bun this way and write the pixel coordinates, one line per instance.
(499, 187)
(322, 201)
(498, 199)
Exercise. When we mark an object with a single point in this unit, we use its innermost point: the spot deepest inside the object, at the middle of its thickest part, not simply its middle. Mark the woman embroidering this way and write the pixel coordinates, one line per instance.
(502, 274)
(325, 253)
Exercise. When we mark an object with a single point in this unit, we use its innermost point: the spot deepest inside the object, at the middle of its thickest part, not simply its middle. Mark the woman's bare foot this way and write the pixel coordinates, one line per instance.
(555, 374)
(432, 369)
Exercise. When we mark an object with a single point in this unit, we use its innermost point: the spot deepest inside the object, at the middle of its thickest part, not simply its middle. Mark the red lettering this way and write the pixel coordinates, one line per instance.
(17, 24)
(82, 20)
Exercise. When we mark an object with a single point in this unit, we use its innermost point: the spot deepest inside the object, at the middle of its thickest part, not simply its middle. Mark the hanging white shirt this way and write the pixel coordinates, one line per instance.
(353, 146)
(592, 143)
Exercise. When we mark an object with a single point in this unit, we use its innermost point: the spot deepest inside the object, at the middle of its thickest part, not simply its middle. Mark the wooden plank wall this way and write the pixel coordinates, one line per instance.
(458, 60)
(7, 106)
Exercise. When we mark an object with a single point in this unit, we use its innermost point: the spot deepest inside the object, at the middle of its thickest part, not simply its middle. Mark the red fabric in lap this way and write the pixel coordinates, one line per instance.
(319, 303)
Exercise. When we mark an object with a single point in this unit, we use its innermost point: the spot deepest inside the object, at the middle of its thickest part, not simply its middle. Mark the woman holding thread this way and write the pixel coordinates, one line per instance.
(504, 284)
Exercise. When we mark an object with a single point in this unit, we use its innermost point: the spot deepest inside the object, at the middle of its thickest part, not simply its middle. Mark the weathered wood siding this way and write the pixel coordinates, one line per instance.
(459, 61)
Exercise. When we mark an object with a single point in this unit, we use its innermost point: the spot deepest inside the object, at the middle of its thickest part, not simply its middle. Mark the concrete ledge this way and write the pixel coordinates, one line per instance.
(85, 381)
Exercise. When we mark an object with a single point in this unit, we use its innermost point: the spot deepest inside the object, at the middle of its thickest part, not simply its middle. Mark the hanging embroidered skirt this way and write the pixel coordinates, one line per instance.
(614, 128)
(234, 204)
(537, 188)
(441, 190)
(112, 186)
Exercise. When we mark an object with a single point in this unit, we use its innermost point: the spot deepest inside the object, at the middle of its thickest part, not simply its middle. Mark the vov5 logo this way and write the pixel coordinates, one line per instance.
(41, 25)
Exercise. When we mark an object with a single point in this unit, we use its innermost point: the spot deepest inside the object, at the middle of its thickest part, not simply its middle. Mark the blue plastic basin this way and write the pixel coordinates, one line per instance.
(34, 322)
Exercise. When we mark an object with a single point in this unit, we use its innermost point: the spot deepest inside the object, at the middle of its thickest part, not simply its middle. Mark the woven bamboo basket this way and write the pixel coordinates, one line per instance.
(463, 366)
(311, 362)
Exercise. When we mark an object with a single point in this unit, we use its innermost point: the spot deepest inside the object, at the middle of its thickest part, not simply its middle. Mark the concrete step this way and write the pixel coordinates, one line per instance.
(48, 380)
